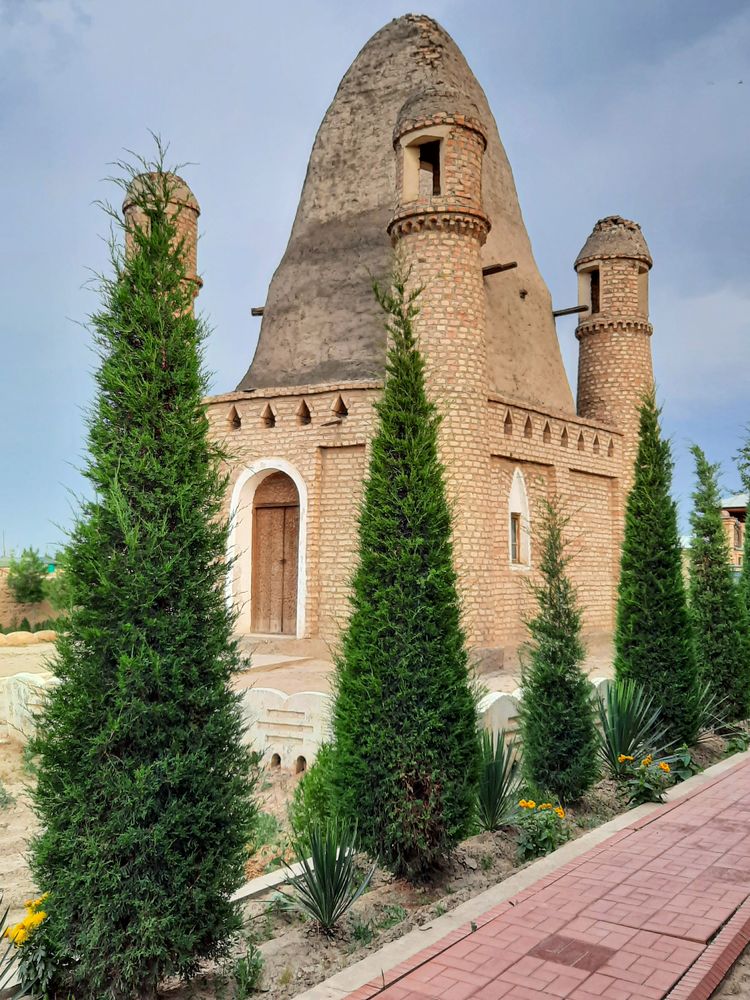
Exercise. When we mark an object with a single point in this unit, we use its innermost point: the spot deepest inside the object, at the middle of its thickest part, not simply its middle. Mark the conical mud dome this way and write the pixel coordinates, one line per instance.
(321, 324)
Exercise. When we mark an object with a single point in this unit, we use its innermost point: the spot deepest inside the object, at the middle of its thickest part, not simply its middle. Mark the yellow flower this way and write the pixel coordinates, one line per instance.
(545, 805)
(560, 812)
(665, 767)
(624, 757)
(647, 761)
(531, 804)
(522, 803)
(18, 933)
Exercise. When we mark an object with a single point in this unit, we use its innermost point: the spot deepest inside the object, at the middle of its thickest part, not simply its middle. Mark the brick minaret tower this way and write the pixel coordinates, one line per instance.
(439, 228)
(614, 363)
(184, 206)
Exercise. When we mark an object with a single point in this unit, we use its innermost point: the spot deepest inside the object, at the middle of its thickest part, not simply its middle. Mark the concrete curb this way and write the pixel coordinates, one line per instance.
(706, 974)
(382, 968)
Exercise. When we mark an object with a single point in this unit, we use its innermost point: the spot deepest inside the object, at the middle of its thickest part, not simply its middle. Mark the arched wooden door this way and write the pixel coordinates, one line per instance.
(275, 553)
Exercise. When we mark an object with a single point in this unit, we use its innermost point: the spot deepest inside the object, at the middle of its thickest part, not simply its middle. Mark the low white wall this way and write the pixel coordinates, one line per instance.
(288, 725)
(498, 710)
(291, 726)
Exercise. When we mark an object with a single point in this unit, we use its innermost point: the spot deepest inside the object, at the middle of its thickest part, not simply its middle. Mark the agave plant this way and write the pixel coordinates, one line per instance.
(499, 781)
(710, 710)
(329, 882)
(630, 726)
(7, 950)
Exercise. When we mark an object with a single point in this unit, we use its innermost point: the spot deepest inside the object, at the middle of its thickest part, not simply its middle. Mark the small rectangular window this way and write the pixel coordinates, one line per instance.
(429, 169)
(515, 538)
(595, 290)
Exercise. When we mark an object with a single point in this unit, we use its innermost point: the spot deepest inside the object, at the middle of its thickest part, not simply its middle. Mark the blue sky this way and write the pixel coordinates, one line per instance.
(640, 109)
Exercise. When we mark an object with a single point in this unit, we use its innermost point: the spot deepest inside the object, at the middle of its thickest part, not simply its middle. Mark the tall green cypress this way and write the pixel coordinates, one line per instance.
(144, 791)
(717, 609)
(558, 734)
(653, 637)
(406, 755)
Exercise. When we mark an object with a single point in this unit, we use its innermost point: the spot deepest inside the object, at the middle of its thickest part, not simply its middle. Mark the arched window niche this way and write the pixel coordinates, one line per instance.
(519, 527)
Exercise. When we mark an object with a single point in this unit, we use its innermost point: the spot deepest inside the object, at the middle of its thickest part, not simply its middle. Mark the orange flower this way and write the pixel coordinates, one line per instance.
(665, 767)
(647, 761)
(624, 757)
(560, 812)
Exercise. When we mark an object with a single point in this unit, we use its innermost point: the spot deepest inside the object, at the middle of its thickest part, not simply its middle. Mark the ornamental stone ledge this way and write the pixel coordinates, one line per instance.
(415, 218)
(633, 323)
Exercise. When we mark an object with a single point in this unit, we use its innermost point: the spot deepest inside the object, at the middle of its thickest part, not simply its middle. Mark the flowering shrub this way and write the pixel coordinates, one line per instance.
(35, 915)
(35, 966)
(647, 781)
(541, 828)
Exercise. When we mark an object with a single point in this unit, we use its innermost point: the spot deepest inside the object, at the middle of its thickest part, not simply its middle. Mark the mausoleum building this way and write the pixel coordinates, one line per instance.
(409, 157)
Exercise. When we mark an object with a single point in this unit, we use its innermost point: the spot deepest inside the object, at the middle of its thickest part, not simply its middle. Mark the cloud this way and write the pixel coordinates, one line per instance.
(701, 348)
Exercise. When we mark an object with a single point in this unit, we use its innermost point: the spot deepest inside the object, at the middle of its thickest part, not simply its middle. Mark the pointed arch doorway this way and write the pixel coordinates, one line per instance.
(275, 548)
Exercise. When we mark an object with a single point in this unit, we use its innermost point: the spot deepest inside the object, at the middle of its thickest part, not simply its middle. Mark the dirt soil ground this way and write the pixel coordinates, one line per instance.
(16, 824)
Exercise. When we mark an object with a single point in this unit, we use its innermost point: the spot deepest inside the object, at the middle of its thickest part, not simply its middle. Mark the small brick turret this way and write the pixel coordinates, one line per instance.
(185, 208)
(439, 228)
(614, 363)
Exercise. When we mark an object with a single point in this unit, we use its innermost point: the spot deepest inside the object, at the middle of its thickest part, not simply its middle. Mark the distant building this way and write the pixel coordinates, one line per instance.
(734, 513)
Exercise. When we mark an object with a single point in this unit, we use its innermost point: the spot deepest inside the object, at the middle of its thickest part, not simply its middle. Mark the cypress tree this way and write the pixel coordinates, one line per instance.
(558, 733)
(144, 791)
(406, 754)
(653, 637)
(717, 610)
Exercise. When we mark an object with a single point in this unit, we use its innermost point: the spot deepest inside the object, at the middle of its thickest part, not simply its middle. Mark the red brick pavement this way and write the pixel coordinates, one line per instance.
(661, 909)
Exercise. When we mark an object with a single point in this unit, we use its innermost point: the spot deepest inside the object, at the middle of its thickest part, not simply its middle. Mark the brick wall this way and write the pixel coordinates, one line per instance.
(329, 453)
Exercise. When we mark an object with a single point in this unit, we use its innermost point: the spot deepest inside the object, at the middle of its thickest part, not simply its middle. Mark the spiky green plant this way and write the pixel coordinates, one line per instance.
(499, 781)
(7, 948)
(629, 726)
(718, 612)
(406, 756)
(558, 735)
(653, 637)
(144, 786)
(329, 882)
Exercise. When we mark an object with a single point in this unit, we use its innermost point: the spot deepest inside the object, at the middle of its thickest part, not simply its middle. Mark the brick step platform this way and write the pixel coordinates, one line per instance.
(660, 910)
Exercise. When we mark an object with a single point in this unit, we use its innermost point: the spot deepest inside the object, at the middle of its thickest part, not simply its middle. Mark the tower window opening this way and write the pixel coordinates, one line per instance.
(594, 290)
(515, 538)
(429, 169)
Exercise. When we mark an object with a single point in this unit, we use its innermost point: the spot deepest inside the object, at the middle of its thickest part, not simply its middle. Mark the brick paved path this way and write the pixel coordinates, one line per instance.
(656, 911)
